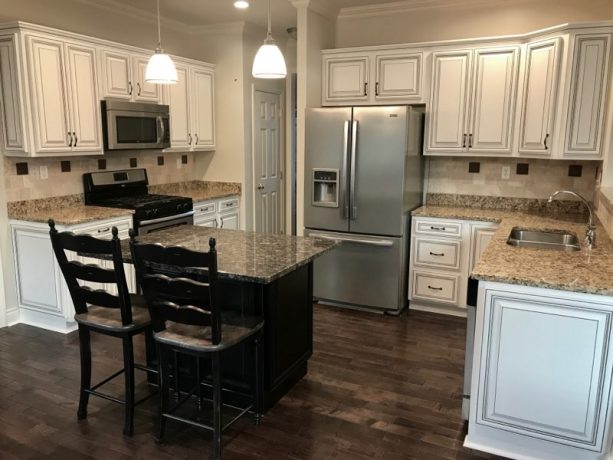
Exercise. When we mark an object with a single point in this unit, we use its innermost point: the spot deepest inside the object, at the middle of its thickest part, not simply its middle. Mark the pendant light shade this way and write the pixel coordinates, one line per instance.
(269, 61)
(160, 69)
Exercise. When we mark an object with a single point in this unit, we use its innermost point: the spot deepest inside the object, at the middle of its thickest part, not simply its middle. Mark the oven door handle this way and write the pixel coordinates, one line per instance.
(142, 223)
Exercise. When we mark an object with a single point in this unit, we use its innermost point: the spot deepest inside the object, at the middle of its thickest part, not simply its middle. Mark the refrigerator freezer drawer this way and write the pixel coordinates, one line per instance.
(365, 271)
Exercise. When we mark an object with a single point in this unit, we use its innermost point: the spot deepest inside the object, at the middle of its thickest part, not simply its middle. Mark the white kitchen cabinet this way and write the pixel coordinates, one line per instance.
(538, 104)
(473, 100)
(588, 95)
(222, 213)
(192, 108)
(442, 255)
(373, 77)
(42, 295)
(12, 122)
(542, 370)
(123, 76)
(345, 79)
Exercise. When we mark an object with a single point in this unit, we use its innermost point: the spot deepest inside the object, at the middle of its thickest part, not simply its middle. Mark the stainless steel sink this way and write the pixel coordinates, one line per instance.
(558, 241)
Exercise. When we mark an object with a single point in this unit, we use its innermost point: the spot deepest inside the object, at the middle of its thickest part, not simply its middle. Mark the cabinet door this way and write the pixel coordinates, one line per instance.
(46, 64)
(177, 98)
(116, 74)
(449, 101)
(539, 96)
(545, 370)
(143, 91)
(494, 94)
(346, 79)
(229, 220)
(203, 111)
(398, 76)
(590, 76)
(10, 107)
(84, 104)
(480, 237)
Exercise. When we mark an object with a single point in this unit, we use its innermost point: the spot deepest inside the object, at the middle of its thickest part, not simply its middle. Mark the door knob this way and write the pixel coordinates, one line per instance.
(260, 187)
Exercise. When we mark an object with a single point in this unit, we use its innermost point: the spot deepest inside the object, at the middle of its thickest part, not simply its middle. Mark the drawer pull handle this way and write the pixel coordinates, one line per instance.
(437, 254)
(104, 230)
(435, 288)
(440, 229)
(228, 205)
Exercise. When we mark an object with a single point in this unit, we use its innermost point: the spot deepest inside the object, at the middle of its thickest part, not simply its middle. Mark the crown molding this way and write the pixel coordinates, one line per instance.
(318, 6)
(407, 6)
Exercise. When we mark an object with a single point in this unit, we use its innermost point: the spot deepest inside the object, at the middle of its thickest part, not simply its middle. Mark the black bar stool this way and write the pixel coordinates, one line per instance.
(120, 315)
(187, 320)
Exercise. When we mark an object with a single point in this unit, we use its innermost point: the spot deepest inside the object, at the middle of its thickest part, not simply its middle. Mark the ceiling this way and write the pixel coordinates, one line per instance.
(205, 12)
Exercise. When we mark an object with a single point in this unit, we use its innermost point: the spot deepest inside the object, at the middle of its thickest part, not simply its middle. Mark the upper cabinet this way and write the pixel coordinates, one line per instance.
(538, 104)
(192, 108)
(52, 83)
(123, 76)
(587, 99)
(375, 78)
(473, 100)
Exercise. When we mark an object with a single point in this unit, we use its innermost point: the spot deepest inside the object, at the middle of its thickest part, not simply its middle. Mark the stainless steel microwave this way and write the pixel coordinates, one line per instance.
(134, 125)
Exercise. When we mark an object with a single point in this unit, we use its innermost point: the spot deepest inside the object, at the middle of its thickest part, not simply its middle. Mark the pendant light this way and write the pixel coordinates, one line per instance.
(269, 61)
(160, 68)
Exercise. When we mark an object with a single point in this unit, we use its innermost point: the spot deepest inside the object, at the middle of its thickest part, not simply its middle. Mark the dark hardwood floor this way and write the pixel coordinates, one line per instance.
(378, 387)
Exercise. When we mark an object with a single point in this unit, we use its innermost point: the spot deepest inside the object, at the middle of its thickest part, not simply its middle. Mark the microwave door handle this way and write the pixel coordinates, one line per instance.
(345, 183)
(354, 141)
(161, 129)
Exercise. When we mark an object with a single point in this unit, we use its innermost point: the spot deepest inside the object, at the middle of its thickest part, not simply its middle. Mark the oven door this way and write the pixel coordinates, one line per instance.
(129, 130)
(155, 225)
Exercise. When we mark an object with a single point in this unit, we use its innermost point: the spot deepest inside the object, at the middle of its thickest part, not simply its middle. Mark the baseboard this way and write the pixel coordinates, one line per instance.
(449, 311)
(12, 317)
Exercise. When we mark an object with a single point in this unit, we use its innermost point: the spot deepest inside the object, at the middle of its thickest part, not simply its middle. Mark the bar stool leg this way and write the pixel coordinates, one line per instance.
(128, 363)
(216, 368)
(163, 372)
(86, 370)
(257, 397)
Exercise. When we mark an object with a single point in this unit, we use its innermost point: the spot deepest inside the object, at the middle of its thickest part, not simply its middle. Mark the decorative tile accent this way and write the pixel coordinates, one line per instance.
(21, 168)
(575, 171)
(184, 159)
(133, 163)
(102, 163)
(65, 166)
(160, 161)
(522, 169)
(474, 167)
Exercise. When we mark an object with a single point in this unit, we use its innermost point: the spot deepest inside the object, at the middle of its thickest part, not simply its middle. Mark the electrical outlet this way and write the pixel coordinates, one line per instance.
(179, 163)
(44, 172)
(506, 172)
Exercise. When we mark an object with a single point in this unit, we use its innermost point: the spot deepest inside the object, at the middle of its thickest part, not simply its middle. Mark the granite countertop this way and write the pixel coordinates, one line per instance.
(198, 190)
(70, 210)
(587, 271)
(244, 256)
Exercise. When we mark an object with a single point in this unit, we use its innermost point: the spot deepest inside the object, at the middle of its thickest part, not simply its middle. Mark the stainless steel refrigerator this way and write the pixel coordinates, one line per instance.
(363, 176)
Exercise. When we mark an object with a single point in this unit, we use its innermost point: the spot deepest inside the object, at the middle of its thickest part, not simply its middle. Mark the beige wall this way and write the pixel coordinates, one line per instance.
(450, 175)
(467, 20)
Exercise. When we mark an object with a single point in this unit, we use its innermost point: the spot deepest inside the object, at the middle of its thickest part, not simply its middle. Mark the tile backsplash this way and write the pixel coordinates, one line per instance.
(451, 176)
(58, 183)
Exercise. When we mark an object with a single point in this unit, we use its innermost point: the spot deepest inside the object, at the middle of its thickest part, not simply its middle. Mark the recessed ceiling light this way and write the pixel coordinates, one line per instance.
(241, 4)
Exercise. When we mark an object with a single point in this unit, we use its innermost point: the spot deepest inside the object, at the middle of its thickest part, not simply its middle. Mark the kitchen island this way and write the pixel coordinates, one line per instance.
(260, 274)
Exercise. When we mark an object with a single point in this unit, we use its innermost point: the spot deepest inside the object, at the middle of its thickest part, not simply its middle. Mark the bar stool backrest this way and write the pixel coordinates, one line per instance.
(76, 272)
(179, 285)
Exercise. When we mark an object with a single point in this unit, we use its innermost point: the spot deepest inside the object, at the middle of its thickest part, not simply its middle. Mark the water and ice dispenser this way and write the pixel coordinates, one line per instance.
(325, 187)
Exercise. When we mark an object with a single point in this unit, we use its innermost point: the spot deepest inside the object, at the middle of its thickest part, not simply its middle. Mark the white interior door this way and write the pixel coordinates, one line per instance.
(267, 167)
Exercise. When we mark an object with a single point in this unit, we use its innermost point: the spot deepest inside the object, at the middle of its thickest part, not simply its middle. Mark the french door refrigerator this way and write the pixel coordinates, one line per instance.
(363, 176)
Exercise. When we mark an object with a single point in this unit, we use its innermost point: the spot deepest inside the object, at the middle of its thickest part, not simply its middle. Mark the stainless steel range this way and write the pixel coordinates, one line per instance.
(128, 189)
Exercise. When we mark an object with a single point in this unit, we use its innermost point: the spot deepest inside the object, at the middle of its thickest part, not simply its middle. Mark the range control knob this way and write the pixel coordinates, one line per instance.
(148, 212)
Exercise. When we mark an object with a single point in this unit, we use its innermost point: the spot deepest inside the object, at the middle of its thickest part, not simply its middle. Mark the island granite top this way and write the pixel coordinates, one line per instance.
(243, 256)
(587, 270)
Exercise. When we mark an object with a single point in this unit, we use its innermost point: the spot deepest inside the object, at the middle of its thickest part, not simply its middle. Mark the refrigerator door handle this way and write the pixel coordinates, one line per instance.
(354, 142)
(344, 199)
(380, 243)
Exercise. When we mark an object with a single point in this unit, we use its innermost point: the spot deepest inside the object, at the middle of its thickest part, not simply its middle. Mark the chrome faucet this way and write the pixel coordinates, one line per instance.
(590, 233)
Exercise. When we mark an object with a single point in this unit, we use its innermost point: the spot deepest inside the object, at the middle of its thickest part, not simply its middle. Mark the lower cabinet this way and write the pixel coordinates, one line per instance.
(443, 254)
(42, 295)
(222, 213)
(542, 373)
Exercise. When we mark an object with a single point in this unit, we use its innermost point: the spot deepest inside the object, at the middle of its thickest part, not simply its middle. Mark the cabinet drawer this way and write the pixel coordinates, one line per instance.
(437, 253)
(231, 203)
(433, 227)
(435, 287)
(204, 209)
(105, 230)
